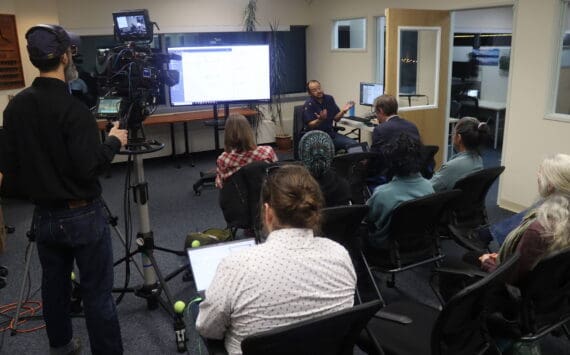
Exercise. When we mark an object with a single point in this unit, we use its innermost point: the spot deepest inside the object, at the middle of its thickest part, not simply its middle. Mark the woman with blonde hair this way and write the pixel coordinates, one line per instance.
(544, 229)
(239, 149)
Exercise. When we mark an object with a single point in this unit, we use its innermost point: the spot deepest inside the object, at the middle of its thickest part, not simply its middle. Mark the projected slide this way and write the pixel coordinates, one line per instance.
(221, 74)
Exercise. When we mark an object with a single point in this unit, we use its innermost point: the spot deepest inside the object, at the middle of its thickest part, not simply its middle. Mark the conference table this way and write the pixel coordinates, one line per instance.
(497, 107)
(184, 117)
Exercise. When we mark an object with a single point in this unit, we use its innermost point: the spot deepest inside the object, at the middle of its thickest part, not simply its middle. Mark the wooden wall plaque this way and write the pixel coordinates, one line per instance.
(11, 73)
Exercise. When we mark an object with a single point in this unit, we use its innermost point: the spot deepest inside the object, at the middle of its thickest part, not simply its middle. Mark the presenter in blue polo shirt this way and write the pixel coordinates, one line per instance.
(320, 111)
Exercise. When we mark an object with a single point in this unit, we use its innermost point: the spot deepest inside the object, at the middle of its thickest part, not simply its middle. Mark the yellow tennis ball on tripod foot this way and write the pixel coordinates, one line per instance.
(72, 276)
(195, 243)
(179, 307)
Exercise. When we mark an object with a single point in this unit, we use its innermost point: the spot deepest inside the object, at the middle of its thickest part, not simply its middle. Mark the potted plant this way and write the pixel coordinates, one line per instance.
(283, 140)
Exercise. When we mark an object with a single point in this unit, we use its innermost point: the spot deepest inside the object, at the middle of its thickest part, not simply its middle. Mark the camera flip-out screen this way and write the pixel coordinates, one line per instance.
(108, 107)
(133, 25)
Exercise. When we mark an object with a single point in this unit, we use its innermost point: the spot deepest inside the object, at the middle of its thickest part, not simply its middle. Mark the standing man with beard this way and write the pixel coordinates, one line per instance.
(53, 149)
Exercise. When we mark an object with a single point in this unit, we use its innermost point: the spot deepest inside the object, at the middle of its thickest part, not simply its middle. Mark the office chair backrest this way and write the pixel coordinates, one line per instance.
(413, 225)
(239, 198)
(298, 125)
(342, 223)
(354, 167)
(428, 160)
(469, 209)
(454, 109)
(461, 327)
(469, 106)
(546, 293)
(331, 334)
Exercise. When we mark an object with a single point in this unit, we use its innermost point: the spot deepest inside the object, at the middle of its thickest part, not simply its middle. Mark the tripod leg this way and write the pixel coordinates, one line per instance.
(23, 287)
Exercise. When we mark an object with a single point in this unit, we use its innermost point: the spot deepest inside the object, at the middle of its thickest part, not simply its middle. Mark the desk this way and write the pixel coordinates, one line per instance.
(497, 107)
(184, 118)
(367, 136)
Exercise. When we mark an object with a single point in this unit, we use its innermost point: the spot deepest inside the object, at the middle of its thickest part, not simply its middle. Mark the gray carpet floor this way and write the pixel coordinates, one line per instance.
(174, 211)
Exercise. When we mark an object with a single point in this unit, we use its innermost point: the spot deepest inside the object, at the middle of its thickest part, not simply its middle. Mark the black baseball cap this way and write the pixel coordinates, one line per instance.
(46, 42)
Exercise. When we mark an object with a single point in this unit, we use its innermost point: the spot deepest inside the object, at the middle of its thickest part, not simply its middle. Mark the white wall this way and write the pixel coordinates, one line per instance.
(28, 13)
(528, 136)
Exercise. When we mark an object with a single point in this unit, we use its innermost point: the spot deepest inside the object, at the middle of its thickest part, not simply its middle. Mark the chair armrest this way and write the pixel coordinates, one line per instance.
(394, 317)
(215, 346)
(470, 272)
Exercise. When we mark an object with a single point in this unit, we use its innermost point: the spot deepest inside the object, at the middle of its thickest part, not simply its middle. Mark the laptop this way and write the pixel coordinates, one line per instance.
(108, 107)
(357, 148)
(204, 260)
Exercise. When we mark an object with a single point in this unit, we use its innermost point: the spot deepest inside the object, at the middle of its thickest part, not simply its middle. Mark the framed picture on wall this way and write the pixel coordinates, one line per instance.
(11, 73)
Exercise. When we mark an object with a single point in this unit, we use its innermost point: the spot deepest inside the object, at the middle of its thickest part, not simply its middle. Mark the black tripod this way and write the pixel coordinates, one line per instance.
(154, 281)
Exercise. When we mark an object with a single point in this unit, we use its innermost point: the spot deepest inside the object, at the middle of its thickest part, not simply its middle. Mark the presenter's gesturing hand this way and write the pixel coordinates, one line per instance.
(321, 116)
(121, 134)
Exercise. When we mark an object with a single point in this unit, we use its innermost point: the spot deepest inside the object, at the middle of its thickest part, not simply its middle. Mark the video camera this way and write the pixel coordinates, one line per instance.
(132, 71)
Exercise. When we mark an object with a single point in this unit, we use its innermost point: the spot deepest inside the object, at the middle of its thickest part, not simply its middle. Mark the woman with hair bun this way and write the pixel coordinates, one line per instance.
(468, 136)
(291, 277)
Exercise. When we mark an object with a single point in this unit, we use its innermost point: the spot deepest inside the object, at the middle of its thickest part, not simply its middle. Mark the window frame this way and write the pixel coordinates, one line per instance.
(553, 115)
(334, 35)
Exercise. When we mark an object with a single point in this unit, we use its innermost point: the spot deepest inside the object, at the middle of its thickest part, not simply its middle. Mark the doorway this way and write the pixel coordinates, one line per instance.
(479, 82)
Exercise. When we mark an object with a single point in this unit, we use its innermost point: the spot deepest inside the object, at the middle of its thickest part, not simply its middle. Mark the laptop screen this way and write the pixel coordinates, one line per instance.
(204, 260)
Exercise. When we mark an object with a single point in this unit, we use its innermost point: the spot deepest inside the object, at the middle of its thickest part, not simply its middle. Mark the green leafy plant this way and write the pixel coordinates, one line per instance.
(277, 76)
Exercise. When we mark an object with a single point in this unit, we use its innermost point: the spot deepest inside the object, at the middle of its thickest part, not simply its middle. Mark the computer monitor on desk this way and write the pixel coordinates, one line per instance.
(369, 92)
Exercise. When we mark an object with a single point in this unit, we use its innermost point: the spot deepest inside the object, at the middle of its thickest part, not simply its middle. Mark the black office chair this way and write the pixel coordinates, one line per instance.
(343, 224)
(459, 329)
(469, 211)
(428, 160)
(239, 197)
(469, 106)
(454, 109)
(298, 125)
(546, 297)
(354, 167)
(335, 333)
(413, 236)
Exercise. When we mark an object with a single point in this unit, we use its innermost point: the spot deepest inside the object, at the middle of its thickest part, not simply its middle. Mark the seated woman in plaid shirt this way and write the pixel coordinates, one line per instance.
(239, 149)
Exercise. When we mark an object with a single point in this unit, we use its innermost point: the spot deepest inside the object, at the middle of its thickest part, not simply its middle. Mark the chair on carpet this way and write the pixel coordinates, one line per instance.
(239, 197)
(460, 328)
(334, 333)
(343, 224)
(413, 235)
(331, 334)
(354, 167)
(469, 211)
(545, 297)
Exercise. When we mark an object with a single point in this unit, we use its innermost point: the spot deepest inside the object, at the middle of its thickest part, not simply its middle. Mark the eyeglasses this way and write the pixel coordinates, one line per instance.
(74, 50)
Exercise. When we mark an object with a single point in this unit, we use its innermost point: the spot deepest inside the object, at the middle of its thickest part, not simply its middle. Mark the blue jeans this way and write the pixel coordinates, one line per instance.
(341, 141)
(63, 235)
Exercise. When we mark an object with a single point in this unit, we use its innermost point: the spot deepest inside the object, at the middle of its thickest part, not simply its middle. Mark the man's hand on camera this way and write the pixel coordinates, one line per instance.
(121, 134)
